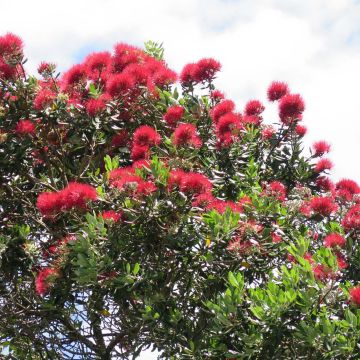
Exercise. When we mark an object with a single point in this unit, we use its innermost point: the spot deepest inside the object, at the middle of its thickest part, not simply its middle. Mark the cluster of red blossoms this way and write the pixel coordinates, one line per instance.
(75, 195)
(11, 54)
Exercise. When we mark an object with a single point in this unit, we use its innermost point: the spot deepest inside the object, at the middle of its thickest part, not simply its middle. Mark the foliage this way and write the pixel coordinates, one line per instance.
(123, 229)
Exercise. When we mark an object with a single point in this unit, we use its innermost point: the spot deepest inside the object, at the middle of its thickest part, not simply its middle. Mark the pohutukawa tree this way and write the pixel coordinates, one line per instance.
(140, 209)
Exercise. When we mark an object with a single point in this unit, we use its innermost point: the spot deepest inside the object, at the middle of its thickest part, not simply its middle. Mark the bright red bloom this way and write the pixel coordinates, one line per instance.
(228, 123)
(112, 215)
(217, 95)
(164, 77)
(325, 183)
(75, 75)
(300, 130)
(320, 148)
(10, 44)
(254, 107)
(195, 183)
(43, 99)
(126, 54)
(77, 195)
(6, 71)
(96, 63)
(225, 107)
(120, 139)
(349, 186)
(268, 132)
(49, 203)
(45, 68)
(43, 280)
(291, 107)
(138, 72)
(341, 261)
(174, 114)
(277, 90)
(355, 295)
(322, 272)
(134, 185)
(333, 240)
(187, 74)
(221, 205)
(203, 200)
(351, 220)
(175, 179)
(146, 136)
(120, 84)
(185, 134)
(206, 69)
(25, 127)
(95, 106)
(277, 190)
(323, 205)
(139, 152)
(322, 165)
(119, 173)
(251, 119)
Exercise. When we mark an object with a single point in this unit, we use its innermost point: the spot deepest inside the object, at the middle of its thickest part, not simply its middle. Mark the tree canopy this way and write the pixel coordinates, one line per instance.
(139, 208)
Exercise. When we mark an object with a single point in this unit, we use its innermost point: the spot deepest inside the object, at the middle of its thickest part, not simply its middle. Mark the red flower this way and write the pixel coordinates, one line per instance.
(119, 173)
(10, 44)
(164, 77)
(43, 99)
(95, 106)
(6, 71)
(175, 179)
(120, 84)
(185, 134)
(96, 63)
(324, 183)
(45, 68)
(254, 107)
(323, 205)
(203, 200)
(268, 132)
(43, 280)
(206, 69)
(322, 272)
(341, 262)
(351, 220)
(77, 195)
(49, 203)
(227, 128)
(225, 107)
(277, 90)
(355, 295)
(146, 136)
(126, 54)
(112, 215)
(195, 183)
(349, 186)
(173, 114)
(277, 190)
(320, 148)
(139, 152)
(217, 95)
(221, 205)
(75, 75)
(333, 240)
(300, 130)
(187, 74)
(25, 127)
(322, 165)
(291, 107)
(251, 119)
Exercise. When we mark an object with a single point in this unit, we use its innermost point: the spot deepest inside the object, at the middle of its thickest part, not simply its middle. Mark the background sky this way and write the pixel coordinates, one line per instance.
(313, 45)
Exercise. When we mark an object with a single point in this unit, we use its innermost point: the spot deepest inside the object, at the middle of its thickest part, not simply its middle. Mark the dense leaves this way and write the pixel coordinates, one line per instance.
(138, 213)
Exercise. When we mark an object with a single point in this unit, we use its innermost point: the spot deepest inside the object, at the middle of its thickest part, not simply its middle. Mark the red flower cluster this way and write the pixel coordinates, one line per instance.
(276, 190)
(25, 127)
(225, 107)
(190, 183)
(291, 107)
(173, 114)
(324, 206)
(125, 179)
(300, 130)
(334, 240)
(202, 71)
(228, 129)
(355, 295)
(43, 280)
(10, 45)
(44, 98)
(322, 165)
(185, 135)
(112, 215)
(277, 90)
(254, 108)
(322, 272)
(351, 220)
(320, 148)
(75, 195)
(346, 189)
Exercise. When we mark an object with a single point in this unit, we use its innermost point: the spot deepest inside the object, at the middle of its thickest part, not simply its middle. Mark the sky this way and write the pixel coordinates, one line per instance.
(313, 45)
